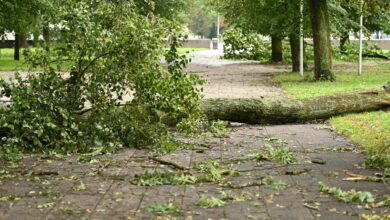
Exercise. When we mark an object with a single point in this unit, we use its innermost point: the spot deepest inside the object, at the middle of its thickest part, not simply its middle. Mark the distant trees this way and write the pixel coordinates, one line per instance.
(202, 18)
(345, 18)
(23, 17)
(276, 19)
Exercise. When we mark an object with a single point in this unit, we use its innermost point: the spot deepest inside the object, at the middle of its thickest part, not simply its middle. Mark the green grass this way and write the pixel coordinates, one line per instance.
(383, 66)
(371, 130)
(300, 88)
(7, 62)
(189, 50)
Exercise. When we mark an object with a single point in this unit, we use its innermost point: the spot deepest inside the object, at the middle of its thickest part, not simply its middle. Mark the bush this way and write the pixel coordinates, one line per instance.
(113, 52)
(350, 52)
(248, 45)
(245, 45)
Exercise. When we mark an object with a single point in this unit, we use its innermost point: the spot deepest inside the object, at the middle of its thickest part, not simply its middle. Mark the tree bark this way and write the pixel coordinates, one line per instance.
(17, 46)
(344, 38)
(321, 38)
(36, 38)
(46, 34)
(277, 49)
(295, 52)
(263, 111)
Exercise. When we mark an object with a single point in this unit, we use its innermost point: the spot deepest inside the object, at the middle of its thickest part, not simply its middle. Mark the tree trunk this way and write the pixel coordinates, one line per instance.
(295, 52)
(17, 46)
(277, 49)
(344, 38)
(263, 111)
(321, 38)
(46, 35)
(36, 38)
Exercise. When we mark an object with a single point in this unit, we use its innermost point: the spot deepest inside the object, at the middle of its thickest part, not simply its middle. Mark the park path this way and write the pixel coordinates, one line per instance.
(234, 79)
(103, 187)
(68, 187)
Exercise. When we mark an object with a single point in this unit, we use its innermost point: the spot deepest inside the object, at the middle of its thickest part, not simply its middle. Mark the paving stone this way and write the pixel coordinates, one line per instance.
(110, 194)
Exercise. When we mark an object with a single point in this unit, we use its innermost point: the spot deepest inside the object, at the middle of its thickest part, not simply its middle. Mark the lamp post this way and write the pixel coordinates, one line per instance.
(361, 39)
(218, 26)
(301, 41)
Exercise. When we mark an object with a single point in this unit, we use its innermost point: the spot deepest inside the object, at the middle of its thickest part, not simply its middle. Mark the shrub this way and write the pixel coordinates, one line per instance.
(249, 45)
(245, 45)
(351, 51)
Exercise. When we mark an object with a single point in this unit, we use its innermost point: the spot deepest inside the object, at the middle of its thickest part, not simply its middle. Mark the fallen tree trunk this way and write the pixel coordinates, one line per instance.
(375, 55)
(265, 111)
(372, 55)
(281, 111)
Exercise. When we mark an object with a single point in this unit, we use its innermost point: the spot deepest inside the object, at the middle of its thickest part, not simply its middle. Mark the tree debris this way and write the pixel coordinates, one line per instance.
(357, 177)
(311, 207)
(297, 172)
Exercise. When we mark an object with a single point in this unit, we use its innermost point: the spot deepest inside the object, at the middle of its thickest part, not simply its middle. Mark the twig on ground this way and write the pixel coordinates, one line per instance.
(40, 173)
(297, 172)
(357, 177)
(311, 207)
(169, 163)
(101, 168)
(240, 186)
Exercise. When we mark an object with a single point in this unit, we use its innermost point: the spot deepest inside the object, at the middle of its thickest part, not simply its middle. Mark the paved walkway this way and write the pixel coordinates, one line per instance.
(67, 188)
(234, 79)
(104, 187)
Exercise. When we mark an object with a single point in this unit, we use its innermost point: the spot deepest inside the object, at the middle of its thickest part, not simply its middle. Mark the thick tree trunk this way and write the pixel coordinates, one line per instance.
(17, 46)
(263, 111)
(321, 38)
(295, 51)
(277, 49)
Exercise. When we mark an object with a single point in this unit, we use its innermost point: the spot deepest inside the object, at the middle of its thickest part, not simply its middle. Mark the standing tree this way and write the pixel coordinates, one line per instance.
(20, 17)
(277, 19)
(322, 41)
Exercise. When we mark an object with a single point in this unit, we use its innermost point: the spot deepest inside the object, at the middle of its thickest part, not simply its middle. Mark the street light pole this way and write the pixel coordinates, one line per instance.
(218, 26)
(301, 42)
(361, 39)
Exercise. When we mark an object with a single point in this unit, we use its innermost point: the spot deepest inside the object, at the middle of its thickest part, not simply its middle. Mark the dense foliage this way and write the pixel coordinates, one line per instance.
(245, 45)
(248, 45)
(115, 89)
(349, 52)
(345, 17)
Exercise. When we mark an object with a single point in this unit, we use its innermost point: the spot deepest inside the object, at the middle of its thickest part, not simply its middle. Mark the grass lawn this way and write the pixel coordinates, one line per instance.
(299, 88)
(383, 66)
(189, 50)
(371, 130)
(7, 62)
